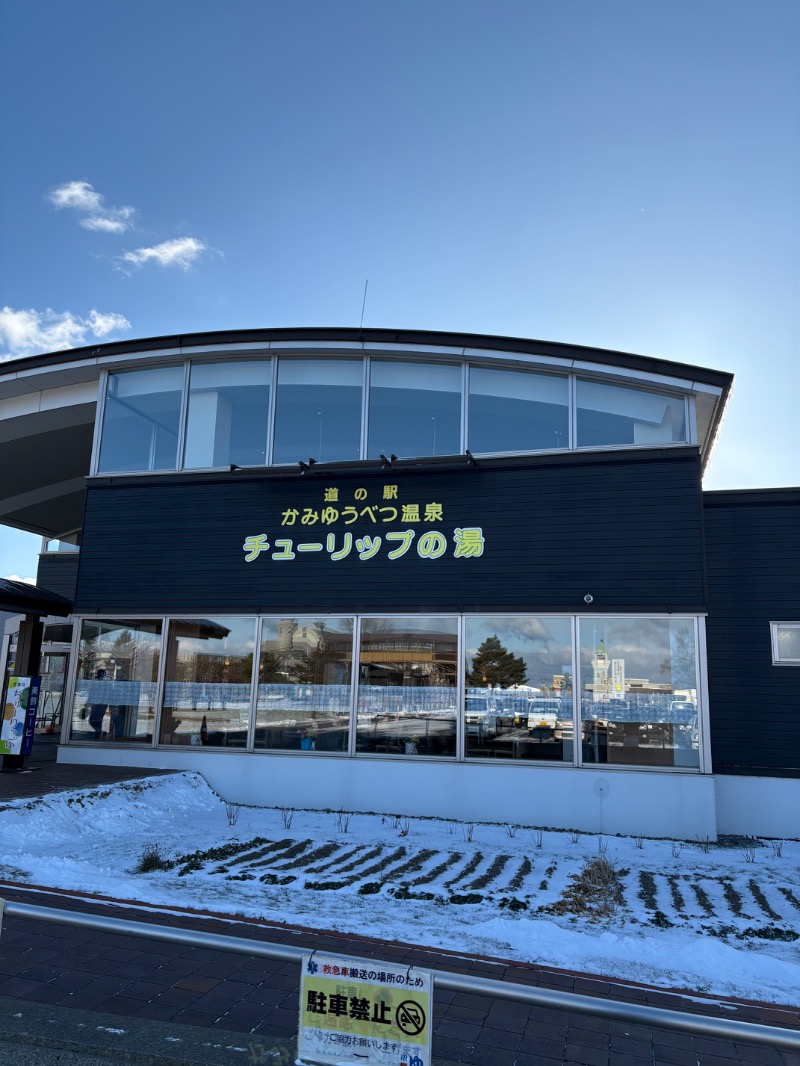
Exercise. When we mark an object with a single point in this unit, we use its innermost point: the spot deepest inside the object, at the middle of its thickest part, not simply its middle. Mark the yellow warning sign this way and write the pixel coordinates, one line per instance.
(358, 1011)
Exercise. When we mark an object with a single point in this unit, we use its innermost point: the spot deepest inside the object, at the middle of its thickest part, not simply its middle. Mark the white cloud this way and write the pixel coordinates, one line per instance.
(81, 196)
(101, 324)
(16, 577)
(181, 252)
(27, 332)
(77, 194)
(116, 220)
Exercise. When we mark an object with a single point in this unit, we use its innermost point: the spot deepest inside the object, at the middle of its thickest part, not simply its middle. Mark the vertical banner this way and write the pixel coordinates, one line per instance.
(374, 1012)
(19, 715)
(618, 678)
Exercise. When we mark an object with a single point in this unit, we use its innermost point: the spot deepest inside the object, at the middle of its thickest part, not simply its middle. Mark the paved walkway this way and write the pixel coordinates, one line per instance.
(145, 981)
(42, 775)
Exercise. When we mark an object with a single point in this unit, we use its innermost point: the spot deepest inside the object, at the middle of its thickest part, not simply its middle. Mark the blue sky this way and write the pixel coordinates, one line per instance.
(619, 174)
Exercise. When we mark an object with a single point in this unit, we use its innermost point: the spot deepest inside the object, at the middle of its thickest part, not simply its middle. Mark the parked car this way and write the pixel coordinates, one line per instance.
(544, 714)
(480, 716)
(487, 717)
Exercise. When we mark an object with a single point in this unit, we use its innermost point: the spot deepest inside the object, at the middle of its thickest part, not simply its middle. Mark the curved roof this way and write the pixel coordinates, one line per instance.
(48, 402)
(319, 339)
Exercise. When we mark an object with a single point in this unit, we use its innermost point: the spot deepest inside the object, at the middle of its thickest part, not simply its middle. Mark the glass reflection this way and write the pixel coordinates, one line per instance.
(415, 409)
(318, 410)
(616, 414)
(787, 642)
(639, 691)
(304, 686)
(208, 678)
(228, 410)
(141, 419)
(407, 680)
(518, 702)
(517, 411)
(115, 690)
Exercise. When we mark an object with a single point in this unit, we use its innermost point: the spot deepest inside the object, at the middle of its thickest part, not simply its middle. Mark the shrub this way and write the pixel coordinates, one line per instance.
(287, 816)
(595, 892)
(151, 860)
(514, 904)
(371, 888)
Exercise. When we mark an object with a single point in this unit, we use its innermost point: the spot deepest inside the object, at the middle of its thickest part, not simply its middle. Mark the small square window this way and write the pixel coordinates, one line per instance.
(785, 643)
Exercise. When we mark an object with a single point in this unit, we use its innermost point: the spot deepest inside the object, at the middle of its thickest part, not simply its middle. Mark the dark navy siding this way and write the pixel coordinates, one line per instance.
(753, 570)
(626, 528)
(58, 573)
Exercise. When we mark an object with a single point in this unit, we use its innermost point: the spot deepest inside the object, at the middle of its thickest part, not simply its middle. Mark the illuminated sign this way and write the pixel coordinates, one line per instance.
(467, 542)
(356, 1011)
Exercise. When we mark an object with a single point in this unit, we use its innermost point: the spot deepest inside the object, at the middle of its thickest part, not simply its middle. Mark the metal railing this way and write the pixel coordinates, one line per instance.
(654, 1017)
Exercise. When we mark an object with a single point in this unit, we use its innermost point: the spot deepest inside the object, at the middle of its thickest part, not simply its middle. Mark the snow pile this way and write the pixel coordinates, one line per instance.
(715, 919)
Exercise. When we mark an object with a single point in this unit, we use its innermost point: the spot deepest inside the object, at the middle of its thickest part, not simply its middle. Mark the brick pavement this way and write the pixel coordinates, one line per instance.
(43, 775)
(137, 978)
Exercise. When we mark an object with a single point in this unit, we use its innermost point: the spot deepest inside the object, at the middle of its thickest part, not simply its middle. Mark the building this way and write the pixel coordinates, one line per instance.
(411, 572)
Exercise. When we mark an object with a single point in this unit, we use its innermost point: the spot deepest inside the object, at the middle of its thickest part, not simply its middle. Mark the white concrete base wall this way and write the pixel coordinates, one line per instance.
(592, 800)
(759, 806)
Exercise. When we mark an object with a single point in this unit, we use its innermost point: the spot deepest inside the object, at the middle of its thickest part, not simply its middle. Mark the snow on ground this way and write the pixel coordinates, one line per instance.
(723, 919)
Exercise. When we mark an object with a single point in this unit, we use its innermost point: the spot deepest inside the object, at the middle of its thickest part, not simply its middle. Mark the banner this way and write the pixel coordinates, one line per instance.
(19, 715)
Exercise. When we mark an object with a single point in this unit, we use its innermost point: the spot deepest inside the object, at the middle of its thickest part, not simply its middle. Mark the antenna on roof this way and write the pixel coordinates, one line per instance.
(363, 304)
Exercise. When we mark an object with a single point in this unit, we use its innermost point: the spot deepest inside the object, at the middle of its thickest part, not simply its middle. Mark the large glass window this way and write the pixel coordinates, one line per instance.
(415, 409)
(518, 702)
(517, 411)
(318, 410)
(407, 686)
(115, 691)
(304, 686)
(228, 411)
(639, 691)
(630, 699)
(208, 682)
(141, 420)
(616, 414)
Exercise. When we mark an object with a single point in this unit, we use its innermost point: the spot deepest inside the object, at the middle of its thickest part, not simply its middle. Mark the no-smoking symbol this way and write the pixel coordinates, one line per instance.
(410, 1017)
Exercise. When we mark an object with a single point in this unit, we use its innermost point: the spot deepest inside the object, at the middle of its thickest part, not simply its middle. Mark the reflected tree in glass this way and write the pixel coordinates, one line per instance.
(208, 682)
(115, 688)
(519, 700)
(304, 684)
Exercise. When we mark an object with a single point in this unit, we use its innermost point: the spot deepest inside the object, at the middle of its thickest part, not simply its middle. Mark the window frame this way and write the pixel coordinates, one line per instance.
(467, 363)
(268, 412)
(460, 756)
(102, 405)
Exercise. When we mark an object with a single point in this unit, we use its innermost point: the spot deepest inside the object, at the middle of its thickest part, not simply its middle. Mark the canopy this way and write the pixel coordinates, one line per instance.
(21, 598)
